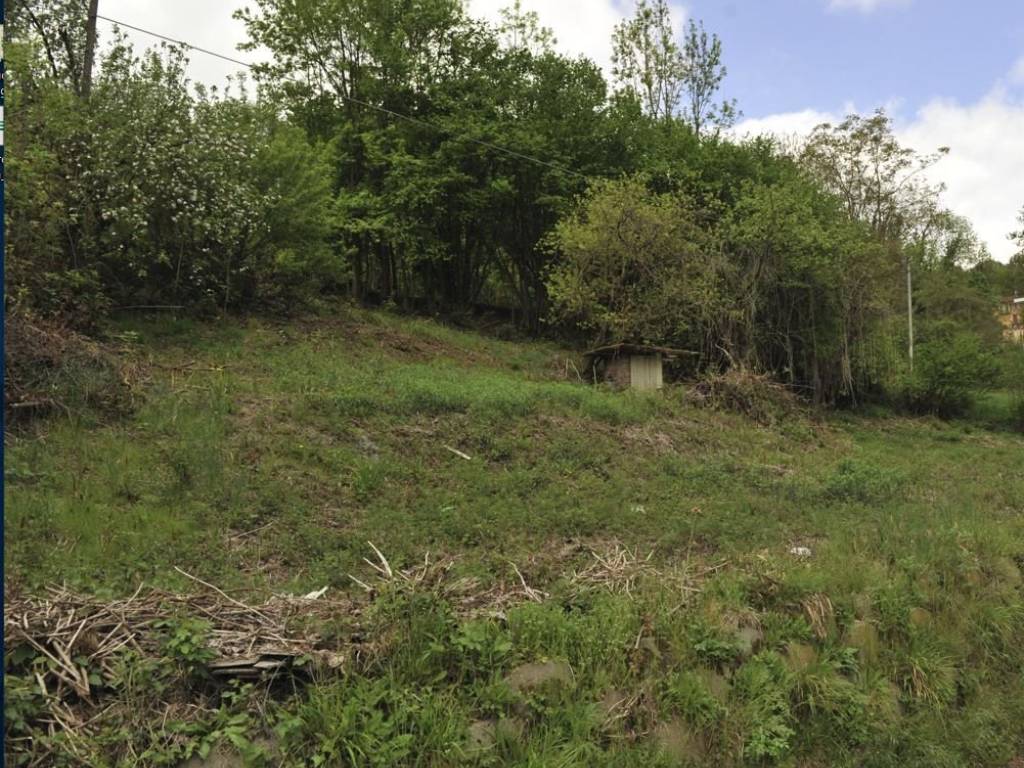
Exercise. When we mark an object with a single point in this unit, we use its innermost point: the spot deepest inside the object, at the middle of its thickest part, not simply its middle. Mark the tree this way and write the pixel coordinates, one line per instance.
(111, 221)
(635, 266)
(803, 284)
(59, 27)
(522, 30)
(90, 48)
(647, 62)
(703, 76)
(880, 182)
(1018, 236)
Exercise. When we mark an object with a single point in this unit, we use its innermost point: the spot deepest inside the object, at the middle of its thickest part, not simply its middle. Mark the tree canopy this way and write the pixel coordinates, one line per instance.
(410, 154)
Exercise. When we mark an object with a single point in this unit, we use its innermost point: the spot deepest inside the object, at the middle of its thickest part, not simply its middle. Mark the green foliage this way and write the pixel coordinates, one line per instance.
(783, 263)
(712, 647)
(861, 482)
(713, 641)
(763, 685)
(948, 370)
(688, 694)
(148, 194)
(186, 642)
(369, 722)
(1012, 367)
(635, 266)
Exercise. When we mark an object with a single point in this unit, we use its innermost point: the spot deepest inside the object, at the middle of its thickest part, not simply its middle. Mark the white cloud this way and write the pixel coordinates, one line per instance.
(218, 32)
(581, 26)
(785, 124)
(864, 6)
(984, 171)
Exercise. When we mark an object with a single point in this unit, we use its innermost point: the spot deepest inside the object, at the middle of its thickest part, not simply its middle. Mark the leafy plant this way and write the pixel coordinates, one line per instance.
(186, 641)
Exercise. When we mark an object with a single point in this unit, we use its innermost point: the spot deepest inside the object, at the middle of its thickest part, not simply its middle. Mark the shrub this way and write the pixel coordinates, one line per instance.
(853, 480)
(242, 217)
(1013, 381)
(949, 370)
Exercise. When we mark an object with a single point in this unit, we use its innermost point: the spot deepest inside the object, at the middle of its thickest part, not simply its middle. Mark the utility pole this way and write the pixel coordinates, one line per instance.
(90, 48)
(910, 315)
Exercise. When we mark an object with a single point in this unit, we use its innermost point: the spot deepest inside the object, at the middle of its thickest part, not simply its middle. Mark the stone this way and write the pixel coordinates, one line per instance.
(509, 729)
(863, 606)
(920, 617)
(677, 741)
(863, 636)
(218, 758)
(749, 640)
(800, 656)
(539, 674)
(480, 736)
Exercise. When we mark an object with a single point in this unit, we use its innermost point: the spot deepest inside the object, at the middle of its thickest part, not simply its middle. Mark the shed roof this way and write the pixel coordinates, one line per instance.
(626, 348)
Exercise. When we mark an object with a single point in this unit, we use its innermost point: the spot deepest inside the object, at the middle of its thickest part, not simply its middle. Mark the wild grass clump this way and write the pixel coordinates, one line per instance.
(858, 481)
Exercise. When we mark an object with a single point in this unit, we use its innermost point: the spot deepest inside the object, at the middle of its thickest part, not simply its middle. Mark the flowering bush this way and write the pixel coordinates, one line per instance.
(155, 192)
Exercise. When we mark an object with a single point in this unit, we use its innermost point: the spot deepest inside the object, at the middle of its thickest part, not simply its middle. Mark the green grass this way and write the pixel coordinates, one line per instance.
(895, 643)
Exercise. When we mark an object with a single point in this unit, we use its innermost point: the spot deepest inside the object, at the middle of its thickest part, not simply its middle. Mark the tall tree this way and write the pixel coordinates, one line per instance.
(880, 182)
(60, 27)
(703, 76)
(646, 60)
(522, 30)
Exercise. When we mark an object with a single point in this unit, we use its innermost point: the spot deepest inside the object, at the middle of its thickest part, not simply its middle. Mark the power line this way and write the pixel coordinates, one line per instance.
(360, 102)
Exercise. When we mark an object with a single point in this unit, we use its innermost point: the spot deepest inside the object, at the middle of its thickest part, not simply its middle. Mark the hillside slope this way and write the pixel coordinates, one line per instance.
(591, 577)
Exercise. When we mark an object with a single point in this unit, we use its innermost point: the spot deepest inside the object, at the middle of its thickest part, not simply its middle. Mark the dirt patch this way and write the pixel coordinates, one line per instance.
(652, 438)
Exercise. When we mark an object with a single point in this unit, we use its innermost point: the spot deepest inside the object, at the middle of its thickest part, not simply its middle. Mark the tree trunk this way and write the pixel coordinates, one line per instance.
(90, 48)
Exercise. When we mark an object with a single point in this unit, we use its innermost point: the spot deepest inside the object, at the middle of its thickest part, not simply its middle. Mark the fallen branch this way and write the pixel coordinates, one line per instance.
(458, 453)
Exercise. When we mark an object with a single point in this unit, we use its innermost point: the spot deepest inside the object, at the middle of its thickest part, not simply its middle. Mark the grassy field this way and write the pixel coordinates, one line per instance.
(640, 581)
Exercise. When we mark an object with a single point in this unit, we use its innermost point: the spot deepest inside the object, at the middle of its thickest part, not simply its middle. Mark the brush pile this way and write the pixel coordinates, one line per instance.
(73, 647)
(741, 390)
(50, 367)
(73, 660)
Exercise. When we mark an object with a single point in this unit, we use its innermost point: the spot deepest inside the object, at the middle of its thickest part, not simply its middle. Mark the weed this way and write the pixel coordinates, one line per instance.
(264, 457)
(864, 483)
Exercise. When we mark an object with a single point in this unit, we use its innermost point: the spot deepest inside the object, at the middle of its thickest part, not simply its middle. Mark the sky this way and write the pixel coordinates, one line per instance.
(950, 73)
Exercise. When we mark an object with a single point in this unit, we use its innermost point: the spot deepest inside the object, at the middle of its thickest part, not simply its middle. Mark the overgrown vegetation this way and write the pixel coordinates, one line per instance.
(412, 155)
(837, 590)
(731, 572)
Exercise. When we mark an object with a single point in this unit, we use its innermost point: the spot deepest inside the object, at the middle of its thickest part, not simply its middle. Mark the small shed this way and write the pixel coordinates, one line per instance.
(630, 366)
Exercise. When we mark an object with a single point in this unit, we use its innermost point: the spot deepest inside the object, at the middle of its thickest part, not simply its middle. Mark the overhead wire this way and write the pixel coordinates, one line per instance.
(369, 105)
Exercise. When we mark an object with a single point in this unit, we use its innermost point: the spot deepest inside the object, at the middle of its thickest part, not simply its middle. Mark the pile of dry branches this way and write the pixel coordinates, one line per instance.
(51, 367)
(78, 641)
(755, 395)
